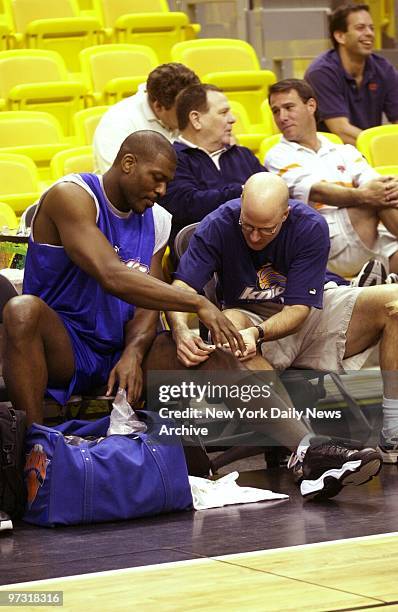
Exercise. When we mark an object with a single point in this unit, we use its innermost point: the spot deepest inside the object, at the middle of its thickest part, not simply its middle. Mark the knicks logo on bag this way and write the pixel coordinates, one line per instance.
(35, 471)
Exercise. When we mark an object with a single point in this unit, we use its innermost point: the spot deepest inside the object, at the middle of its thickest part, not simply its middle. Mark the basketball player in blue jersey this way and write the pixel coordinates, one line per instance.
(269, 255)
(92, 278)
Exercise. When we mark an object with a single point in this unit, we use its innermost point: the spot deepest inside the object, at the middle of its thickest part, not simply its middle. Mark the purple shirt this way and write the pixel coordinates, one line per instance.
(291, 269)
(338, 95)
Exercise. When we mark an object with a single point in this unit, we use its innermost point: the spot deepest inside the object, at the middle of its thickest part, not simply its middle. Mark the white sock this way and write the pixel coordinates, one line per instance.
(303, 446)
(390, 418)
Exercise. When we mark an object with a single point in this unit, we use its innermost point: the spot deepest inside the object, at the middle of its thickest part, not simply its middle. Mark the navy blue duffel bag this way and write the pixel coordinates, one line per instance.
(71, 481)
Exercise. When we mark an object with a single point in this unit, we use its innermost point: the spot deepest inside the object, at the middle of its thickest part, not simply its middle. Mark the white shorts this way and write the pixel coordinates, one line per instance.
(320, 342)
(347, 251)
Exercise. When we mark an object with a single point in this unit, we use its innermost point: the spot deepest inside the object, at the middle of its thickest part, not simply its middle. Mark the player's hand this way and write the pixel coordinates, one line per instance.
(221, 328)
(127, 374)
(191, 350)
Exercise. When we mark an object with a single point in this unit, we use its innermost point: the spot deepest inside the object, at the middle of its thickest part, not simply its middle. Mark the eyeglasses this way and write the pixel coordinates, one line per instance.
(263, 231)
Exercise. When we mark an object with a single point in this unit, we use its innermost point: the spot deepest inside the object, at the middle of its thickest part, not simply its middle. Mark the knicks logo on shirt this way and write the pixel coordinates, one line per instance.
(373, 86)
(269, 285)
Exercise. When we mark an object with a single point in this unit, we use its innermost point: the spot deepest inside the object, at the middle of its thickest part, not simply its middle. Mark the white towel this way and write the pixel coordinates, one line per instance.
(225, 491)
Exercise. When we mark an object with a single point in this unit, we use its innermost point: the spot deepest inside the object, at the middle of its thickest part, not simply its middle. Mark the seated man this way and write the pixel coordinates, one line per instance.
(269, 256)
(337, 180)
(209, 171)
(151, 108)
(353, 85)
(83, 320)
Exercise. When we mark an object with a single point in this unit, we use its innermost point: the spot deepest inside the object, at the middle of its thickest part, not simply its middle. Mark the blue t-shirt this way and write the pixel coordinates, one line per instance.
(97, 317)
(291, 269)
(339, 96)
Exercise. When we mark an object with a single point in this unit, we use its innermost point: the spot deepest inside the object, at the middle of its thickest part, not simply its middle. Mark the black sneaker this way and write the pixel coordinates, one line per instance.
(372, 273)
(328, 467)
(5, 521)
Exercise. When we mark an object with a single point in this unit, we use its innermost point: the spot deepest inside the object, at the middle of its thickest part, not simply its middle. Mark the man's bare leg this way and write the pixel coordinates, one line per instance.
(365, 222)
(370, 321)
(36, 351)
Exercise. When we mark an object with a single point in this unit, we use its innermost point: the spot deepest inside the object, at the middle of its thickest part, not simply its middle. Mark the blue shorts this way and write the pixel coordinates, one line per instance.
(91, 369)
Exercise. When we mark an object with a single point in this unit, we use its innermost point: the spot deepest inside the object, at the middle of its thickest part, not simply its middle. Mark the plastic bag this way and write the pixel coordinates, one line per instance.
(124, 420)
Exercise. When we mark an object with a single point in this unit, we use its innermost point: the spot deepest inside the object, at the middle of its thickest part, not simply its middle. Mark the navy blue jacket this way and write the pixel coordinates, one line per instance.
(199, 187)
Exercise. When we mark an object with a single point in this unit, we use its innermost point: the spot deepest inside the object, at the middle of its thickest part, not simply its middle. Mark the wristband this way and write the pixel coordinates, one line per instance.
(261, 334)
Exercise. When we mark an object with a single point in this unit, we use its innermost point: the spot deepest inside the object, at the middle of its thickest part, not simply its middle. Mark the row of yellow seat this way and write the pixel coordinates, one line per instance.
(62, 26)
(21, 180)
(38, 79)
(20, 183)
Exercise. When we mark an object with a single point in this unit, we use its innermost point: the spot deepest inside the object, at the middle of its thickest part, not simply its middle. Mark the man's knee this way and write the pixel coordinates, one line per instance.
(21, 314)
(241, 320)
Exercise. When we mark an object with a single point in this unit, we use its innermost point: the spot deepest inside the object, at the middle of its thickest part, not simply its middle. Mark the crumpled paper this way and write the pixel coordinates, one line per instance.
(225, 491)
(123, 419)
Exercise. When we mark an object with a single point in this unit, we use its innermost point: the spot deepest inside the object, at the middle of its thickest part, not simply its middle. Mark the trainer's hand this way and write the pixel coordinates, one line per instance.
(127, 373)
(191, 350)
(221, 328)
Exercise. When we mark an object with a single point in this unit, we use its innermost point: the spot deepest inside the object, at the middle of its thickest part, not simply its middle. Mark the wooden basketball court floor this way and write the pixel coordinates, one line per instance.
(279, 555)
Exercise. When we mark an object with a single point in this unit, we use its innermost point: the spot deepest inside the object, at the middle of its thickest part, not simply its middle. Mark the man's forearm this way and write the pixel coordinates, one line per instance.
(343, 128)
(334, 195)
(179, 320)
(140, 333)
(146, 291)
(286, 322)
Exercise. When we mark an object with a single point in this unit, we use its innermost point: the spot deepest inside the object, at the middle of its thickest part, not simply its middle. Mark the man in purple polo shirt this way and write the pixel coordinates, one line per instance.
(209, 170)
(353, 85)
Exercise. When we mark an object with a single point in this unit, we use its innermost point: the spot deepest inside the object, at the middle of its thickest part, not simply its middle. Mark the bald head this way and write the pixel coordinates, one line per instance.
(265, 207)
(146, 145)
(264, 197)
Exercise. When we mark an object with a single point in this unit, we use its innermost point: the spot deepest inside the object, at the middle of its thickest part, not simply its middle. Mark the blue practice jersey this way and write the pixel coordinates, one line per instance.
(97, 317)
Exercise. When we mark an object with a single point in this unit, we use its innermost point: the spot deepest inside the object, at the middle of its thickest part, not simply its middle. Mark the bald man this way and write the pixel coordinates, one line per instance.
(92, 278)
(269, 255)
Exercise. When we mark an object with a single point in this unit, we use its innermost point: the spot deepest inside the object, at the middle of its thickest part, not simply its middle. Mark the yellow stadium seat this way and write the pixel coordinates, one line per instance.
(19, 181)
(56, 26)
(387, 170)
(365, 144)
(8, 218)
(241, 77)
(85, 122)
(150, 23)
(242, 129)
(77, 159)
(38, 135)
(34, 79)
(270, 142)
(113, 72)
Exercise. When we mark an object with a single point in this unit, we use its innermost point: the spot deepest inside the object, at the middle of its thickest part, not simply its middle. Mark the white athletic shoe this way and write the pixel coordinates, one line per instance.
(372, 273)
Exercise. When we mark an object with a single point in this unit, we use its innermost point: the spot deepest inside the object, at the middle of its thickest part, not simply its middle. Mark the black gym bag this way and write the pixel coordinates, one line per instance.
(12, 461)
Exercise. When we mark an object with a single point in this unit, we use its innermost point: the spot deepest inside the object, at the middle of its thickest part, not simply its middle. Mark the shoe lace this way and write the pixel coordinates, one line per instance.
(334, 448)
